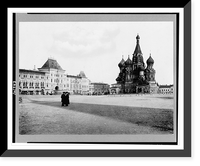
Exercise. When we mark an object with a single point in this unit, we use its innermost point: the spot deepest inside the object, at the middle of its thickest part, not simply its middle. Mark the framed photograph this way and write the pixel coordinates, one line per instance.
(98, 82)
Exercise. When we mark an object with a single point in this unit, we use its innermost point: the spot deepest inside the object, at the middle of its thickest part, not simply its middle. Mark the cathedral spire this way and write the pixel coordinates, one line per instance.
(137, 48)
(138, 38)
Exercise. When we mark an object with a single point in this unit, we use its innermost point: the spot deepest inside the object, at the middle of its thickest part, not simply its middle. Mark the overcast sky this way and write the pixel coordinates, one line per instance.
(96, 47)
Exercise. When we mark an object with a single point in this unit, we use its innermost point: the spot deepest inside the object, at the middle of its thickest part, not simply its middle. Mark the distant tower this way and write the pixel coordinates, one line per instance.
(137, 59)
(128, 65)
(150, 75)
(150, 72)
(121, 76)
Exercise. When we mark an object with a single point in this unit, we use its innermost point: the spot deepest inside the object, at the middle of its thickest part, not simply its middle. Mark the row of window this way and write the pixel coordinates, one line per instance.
(52, 80)
(85, 86)
(56, 75)
(31, 76)
(31, 84)
(165, 90)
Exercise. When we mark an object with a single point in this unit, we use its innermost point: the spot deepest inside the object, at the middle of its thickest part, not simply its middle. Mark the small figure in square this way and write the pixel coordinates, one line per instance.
(65, 98)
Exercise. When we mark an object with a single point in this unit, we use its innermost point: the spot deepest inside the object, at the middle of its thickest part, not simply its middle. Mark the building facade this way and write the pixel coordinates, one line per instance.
(85, 83)
(31, 81)
(51, 78)
(98, 88)
(166, 89)
(54, 75)
(134, 75)
(115, 88)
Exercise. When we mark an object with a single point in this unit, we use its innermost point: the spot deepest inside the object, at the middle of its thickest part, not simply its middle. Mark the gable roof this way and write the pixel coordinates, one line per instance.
(51, 64)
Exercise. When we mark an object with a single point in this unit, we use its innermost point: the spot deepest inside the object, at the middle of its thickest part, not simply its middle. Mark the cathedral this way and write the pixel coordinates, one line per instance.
(135, 76)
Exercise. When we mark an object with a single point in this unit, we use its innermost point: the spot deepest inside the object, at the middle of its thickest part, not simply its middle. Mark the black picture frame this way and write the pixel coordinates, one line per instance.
(186, 152)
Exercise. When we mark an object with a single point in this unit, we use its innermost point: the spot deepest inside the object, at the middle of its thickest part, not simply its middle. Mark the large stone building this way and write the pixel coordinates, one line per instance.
(51, 78)
(99, 88)
(134, 76)
(54, 75)
(31, 81)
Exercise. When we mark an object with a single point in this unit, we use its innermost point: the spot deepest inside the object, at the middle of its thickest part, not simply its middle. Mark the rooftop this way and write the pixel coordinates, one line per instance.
(72, 76)
(165, 86)
(31, 71)
(99, 83)
(51, 64)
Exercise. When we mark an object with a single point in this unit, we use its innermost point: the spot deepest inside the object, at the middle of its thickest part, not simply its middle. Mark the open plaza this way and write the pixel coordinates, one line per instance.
(105, 114)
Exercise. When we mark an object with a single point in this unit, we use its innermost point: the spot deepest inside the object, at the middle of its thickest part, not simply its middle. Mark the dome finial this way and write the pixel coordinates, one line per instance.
(137, 37)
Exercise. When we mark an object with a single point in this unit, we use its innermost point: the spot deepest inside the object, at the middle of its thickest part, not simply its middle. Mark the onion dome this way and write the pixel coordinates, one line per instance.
(128, 61)
(121, 63)
(150, 60)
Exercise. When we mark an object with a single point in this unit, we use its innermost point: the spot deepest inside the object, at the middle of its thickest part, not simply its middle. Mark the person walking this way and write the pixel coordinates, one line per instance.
(67, 98)
(63, 98)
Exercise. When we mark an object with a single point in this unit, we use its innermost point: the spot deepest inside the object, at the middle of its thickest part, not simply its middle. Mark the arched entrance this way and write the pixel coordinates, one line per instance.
(56, 88)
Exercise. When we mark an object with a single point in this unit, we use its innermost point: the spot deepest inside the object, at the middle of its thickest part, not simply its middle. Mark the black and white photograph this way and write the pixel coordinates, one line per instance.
(102, 77)
(89, 81)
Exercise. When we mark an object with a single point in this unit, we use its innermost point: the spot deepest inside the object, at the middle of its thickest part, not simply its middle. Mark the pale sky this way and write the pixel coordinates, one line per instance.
(96, 47)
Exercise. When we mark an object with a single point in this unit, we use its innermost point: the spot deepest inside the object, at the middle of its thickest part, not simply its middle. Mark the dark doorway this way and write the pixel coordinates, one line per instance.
(56, 88)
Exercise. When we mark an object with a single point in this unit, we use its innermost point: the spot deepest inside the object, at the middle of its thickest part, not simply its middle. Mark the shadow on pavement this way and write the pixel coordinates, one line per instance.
(162, 119)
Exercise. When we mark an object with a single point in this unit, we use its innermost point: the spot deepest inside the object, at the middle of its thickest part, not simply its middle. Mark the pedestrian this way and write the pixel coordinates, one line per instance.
(67, 98)
(63, 98)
